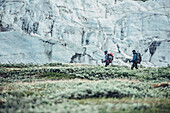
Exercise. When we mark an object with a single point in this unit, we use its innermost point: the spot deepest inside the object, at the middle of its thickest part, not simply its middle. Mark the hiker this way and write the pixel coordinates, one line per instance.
(108, 58)
(134, 60)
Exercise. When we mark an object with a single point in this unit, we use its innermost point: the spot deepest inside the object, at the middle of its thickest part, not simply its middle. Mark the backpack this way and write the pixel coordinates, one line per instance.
(110, 57)
(139, 58)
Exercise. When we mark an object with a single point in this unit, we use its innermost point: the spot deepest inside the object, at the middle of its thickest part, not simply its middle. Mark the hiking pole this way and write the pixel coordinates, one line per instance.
(102, 61)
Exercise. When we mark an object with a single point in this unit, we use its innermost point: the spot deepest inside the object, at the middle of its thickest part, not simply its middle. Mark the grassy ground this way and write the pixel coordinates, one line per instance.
(65, 88)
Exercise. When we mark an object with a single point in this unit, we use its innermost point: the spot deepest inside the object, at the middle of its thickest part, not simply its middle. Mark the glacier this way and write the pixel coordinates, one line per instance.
(79, 31)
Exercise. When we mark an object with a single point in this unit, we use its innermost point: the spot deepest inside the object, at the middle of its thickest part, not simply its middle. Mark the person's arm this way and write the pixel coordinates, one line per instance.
(106, 57)
(134, 58)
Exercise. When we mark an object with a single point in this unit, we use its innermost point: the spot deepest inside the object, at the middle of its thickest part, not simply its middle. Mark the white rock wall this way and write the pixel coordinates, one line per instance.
(78, 31)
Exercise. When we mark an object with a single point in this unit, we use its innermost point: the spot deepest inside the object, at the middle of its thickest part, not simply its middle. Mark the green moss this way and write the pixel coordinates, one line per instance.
(55, 71)
(55, 75)
(20, 94)
(158, 108)
(155, 105)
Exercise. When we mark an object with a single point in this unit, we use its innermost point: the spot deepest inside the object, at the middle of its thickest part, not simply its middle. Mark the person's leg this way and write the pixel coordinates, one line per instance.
(132, 66)
(136, 65)
(107, 63)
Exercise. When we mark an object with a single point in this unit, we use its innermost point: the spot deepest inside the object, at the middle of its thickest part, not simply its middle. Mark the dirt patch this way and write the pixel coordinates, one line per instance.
(126, 80)
(161, 85)
(5, 88)
(72, 80)
(52, 81)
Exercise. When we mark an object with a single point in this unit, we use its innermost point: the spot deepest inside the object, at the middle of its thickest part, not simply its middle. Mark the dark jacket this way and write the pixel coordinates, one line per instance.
(106, 57)
(134, 57)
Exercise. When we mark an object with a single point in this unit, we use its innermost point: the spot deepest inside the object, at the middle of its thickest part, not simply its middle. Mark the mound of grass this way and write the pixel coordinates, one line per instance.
(60, 71)
(136, 105)
(19, 65)
(123, 90)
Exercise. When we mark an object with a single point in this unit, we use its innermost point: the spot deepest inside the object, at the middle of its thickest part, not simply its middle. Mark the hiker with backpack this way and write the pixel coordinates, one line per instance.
(136, 59)
(108, 58)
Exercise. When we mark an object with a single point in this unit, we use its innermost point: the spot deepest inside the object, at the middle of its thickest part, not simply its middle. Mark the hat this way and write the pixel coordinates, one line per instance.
(133, 51)
(105, 52)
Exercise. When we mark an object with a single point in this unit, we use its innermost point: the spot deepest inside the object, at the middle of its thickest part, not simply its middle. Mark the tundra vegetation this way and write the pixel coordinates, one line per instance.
(66, 88)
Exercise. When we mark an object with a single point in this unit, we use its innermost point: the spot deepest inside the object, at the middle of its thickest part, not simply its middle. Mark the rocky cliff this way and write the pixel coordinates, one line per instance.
(78, 31)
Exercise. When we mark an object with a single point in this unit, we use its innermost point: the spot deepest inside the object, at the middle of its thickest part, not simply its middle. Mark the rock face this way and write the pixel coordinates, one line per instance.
(78, 31)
